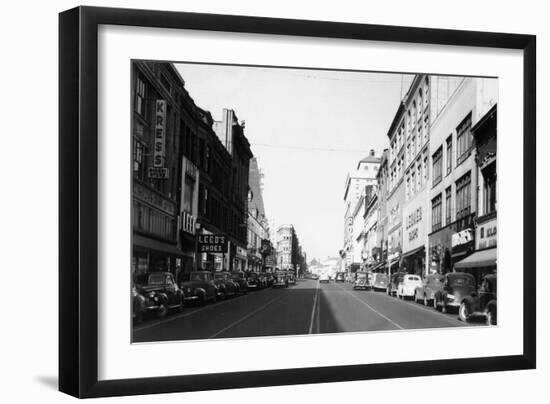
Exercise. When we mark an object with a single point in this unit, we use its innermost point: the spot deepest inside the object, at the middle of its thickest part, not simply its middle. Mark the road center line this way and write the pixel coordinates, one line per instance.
(370, 307)
(233, 324)
(313, 308)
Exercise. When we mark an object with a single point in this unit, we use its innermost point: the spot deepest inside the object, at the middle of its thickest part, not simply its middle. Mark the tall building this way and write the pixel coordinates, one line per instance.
(259, 245)
(354, 193)
(382, 226)
(290, 255)
(453, 194)
(186, 181)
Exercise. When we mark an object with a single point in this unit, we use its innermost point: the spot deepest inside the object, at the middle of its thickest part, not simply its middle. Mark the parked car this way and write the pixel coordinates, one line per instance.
(264, 279)
(394, 282)
(281, 279)
(138, 305)
(406, 288)
(456, 286)
(199, 287)
(379, 281)
(361, 281)
(160, 291)
(239, 277)
(431, 284)
(481, 303)
(253, 281)
(340, 277)
(291, 278)
(324, 278)
(226, 286)
(270, 279)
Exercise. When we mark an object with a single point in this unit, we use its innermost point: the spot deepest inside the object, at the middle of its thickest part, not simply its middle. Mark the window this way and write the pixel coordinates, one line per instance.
(463, 196)
(426, 134)
(139, 152)
(207, 160)
(437, 166)
(187, 203)
(464, 139)
(140, 97)
(436, 213)
(490, 190)
(448, 206)
(425, 169)
(449, 154)
(419, 182)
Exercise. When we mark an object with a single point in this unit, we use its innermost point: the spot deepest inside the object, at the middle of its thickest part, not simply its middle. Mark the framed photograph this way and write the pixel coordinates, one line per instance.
(250, 201)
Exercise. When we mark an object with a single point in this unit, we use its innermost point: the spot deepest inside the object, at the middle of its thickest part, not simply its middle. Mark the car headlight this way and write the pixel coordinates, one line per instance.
(151, 295)
(156, 298)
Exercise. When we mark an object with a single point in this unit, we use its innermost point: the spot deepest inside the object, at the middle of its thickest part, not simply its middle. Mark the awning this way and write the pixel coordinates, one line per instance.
(378, 266)
(483, 258)
(152, 244)
(416, 250)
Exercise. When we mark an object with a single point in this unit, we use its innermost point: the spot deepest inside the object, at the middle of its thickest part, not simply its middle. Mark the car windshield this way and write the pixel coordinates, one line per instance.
(236, 275)
(253, 275)
(381, 277)
(460, 281)
(197, 276)
(361, 276)
(219, 276)
(155, 279)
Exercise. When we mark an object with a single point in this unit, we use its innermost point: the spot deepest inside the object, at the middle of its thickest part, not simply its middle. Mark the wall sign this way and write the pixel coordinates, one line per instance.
(160, 134)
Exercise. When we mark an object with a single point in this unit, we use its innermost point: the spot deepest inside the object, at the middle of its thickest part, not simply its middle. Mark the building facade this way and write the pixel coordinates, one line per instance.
(457, 103)
(186, 181)
(290, 256)
(364, 175)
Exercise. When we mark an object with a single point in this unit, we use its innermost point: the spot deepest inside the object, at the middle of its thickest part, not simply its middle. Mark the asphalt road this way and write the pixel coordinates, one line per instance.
(309, 307)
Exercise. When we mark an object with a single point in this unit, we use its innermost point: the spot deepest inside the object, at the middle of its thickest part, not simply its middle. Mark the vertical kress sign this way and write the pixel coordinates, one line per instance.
(160, 134)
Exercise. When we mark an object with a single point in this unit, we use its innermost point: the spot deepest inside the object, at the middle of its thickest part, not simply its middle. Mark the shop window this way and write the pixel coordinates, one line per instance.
(490, 189)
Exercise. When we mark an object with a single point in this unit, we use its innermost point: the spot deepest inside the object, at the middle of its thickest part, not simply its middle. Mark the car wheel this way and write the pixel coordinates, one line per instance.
(443, 308)
(425, 301)
(463, 312)
(436, 306)
(491, 317)
(162, 311)
(182, 305)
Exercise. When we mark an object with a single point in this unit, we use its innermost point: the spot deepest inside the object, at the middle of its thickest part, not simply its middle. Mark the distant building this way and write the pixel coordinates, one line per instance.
(258, 226)
(289, 252)
(354, 193)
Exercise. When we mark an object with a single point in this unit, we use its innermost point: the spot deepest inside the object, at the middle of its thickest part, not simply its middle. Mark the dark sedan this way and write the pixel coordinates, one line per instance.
(240, 279)
(481, 303)
(456, 286)
(199, 287)
(160, 293)
(226, 286)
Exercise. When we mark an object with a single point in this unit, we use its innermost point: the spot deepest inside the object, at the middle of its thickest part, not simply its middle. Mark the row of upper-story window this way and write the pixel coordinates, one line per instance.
(446, 157)
(415, 121)
(416, 176)
(444, 201)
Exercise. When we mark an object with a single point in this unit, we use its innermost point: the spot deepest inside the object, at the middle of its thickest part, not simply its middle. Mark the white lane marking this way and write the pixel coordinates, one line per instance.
(313, 308)
(182, 315)
(233, 324)
(370, 307)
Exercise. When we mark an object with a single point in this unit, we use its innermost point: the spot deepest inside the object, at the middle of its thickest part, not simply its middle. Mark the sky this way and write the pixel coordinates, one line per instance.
(308, 129)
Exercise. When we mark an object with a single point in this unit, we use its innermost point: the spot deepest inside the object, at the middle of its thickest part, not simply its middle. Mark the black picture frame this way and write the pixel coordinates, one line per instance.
(78, 200)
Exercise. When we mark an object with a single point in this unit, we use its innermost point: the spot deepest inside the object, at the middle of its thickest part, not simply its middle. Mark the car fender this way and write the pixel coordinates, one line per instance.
(491, 304)
(163, 296)
(201, 291)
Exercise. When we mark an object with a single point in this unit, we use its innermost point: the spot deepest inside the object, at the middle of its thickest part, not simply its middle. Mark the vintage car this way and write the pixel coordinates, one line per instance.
(361, 281)
(431, 284)
(253, 281)
(407, 286)
(160, 291)
(379, 281)
(239, 278)
(340, 277)
(199, 287)
(263, 279)
(481, 303)
(291, 278)
(324, 278)
(138, 305)
(226, 286)
(456, 286)
(394, 281)
(281, 279)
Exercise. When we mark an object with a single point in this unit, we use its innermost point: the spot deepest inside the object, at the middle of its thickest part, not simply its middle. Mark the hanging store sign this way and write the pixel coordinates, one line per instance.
(486, 234)
(160, 134)
(462, 237)
(212, 243)
(158, 173)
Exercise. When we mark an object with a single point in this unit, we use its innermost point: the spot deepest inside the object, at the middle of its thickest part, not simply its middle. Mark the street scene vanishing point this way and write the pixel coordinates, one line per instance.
(272, 201)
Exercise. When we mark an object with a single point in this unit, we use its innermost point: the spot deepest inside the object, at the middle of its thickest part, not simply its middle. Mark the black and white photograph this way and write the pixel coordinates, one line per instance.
(270, 201)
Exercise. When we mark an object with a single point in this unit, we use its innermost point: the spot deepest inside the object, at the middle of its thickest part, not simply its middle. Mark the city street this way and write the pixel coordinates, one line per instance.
(309, 307)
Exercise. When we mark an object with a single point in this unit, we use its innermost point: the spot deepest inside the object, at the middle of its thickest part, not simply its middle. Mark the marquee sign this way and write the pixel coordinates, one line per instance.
(212, 243)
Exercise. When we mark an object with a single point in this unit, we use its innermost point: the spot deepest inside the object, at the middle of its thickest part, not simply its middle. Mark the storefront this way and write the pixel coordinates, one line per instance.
(150, 255)
(415, 224)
